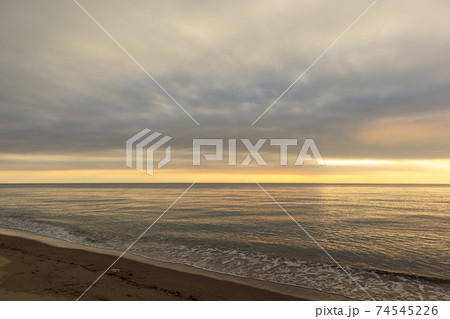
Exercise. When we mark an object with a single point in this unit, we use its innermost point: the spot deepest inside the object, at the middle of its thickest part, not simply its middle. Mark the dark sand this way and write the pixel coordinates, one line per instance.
(32, 270)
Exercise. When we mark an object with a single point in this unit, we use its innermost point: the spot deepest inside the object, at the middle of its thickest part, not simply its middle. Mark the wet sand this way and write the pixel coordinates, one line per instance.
(33, 270)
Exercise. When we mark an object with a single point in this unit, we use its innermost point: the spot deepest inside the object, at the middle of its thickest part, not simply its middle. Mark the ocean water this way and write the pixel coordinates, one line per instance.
(392, 239)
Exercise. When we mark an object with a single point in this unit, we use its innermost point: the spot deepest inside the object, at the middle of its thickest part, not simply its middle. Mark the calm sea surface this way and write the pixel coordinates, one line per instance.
(393, 239)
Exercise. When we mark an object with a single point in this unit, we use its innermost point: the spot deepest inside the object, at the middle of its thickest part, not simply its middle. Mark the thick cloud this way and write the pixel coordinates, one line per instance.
(381, 92)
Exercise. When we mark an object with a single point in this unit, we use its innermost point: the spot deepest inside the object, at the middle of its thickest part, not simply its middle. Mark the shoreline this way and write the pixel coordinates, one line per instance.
(48, 267)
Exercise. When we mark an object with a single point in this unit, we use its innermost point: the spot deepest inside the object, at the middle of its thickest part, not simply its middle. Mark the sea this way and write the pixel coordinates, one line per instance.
(392, 241)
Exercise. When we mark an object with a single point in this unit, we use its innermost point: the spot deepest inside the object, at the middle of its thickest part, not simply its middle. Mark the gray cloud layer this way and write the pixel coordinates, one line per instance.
(381, 92)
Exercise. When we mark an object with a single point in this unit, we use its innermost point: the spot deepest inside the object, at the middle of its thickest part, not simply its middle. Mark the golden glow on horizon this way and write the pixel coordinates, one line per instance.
(432, 164)
(355, 162)
(38, 168)
(341, 171)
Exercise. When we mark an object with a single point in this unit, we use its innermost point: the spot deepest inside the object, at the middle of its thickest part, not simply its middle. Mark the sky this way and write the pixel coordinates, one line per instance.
(377, 104)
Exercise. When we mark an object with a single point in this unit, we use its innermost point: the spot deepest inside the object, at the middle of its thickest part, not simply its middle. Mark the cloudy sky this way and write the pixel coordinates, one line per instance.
(377, 104)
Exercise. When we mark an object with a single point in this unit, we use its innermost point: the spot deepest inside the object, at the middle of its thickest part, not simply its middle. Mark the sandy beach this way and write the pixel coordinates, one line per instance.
(32, 270)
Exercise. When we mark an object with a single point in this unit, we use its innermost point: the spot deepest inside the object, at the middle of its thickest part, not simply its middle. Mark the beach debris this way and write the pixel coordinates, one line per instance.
(115, 270)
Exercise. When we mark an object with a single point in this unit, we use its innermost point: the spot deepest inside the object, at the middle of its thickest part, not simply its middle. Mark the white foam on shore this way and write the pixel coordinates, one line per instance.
(279, 274)
(300, 292)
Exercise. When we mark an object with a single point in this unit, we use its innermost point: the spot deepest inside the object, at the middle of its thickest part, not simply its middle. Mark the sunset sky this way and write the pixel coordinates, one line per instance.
(377, 104)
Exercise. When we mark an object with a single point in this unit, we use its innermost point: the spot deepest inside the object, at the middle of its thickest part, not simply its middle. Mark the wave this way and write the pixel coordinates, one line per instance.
(241, 262)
